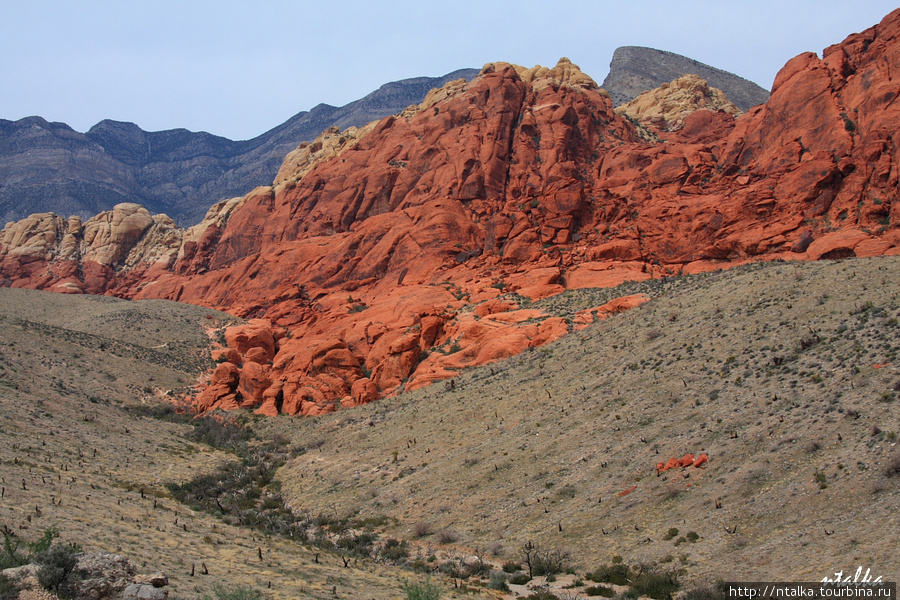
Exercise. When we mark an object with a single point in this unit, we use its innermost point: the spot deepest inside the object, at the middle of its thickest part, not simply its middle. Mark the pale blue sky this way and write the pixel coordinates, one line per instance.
(238, 69)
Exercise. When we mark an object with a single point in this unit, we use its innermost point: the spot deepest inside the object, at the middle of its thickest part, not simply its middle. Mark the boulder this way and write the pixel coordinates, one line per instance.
(256, 333)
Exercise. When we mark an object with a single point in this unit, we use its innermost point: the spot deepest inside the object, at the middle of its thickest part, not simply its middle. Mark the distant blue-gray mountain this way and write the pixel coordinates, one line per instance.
(50, 167)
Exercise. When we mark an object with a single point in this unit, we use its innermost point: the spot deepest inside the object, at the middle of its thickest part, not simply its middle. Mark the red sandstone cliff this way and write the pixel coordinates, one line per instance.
(378, 258)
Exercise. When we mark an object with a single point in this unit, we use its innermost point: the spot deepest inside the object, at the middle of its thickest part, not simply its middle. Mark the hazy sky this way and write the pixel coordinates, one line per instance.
(238, 69)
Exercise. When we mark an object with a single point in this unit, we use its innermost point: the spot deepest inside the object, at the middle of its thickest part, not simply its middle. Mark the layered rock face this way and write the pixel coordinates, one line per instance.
(387, 258)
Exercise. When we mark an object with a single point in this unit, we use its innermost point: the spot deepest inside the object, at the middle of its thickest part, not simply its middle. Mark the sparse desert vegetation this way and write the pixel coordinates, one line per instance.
(782, 373)
(536, 475)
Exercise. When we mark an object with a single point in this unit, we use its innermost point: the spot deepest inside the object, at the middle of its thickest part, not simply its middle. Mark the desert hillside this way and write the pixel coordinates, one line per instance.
(784, 374)
(654, 345)
(88, 447)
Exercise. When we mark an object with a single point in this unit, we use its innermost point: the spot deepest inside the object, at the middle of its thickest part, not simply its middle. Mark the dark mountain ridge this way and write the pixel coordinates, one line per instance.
(48, 166)
(635, 69)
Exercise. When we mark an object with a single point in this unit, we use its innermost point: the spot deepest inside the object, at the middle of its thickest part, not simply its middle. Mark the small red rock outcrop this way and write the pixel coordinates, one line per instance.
(688, 460)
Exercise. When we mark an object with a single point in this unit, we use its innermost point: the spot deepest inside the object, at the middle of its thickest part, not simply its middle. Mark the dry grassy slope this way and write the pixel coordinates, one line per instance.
(68, 367)
(769, 368)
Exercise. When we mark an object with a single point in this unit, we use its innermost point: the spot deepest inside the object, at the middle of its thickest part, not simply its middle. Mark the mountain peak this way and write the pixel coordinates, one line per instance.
(635, 69)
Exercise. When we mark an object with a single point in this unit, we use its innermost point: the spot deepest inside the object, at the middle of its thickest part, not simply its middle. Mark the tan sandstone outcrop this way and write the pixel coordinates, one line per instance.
(666, 107)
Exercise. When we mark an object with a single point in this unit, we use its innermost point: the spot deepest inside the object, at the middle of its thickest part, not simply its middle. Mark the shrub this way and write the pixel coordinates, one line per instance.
(893, 467)
(45, 541)
(421, 591)
(511, 566)
(549, 562)
(239, 592)
(225, 435)
(519, 579)
(245, 492)
(498, 582)
(395, 550)
(477, 568)
(9, 588)
(706, 591)
(10, 556)
(656, 584)
(599, 590)
(616, 574)
(453, 569)
(56, 565)
(542, 595)
(162, 411)
(357, 544)
(447, 536)
(421, 529)
(671, 533)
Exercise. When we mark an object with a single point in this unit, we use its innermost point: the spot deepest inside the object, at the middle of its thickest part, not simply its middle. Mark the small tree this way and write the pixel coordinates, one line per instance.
(550, 562)
(543, 562)
(529, 550)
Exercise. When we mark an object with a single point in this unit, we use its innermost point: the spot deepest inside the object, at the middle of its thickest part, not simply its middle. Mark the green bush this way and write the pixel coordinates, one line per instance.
(9, 588)
(511, 566)
(245, 491)
(226, 435)
(359, 545)
(706, 591)
(616, 574)
(56, 563)
(519, 579)
(498, 582)
(10, 556)
(549, 562)
(599, 590)
(659, 585)
(453, 569)
(395, 550)
(542, 595)
(162, 411)
(421, 591)
(239, 592)
(56, 566)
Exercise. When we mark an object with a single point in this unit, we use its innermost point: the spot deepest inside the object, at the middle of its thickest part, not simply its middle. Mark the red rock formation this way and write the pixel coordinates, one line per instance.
(377, 261)
(688, 460)
(627, 491)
